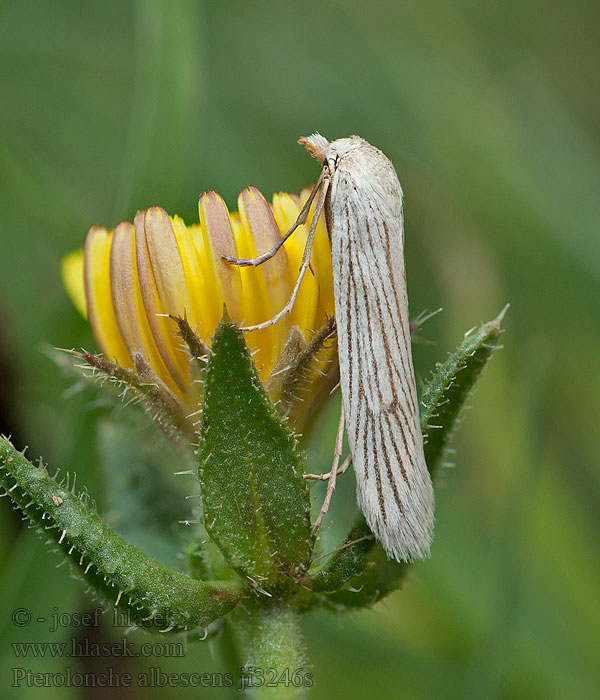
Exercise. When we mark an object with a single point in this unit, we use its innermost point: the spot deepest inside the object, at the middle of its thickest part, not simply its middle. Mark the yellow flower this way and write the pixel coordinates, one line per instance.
(130, 279)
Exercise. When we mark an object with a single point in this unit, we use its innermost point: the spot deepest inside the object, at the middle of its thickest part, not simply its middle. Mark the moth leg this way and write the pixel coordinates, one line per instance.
(324, 477)
(260, 259)
(339, 441)
(303, 267)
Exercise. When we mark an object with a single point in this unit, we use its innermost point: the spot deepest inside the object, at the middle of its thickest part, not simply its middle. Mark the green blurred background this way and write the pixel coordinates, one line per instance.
(489, 112)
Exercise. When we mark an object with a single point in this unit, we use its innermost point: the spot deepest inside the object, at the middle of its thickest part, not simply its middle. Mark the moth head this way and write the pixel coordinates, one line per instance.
(328, 154)
(316, 145)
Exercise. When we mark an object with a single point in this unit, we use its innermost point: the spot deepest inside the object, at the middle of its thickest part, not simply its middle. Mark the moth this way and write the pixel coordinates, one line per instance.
(363, 201)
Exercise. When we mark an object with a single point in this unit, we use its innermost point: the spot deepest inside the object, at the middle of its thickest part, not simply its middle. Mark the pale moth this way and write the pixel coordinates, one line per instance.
(360, 191)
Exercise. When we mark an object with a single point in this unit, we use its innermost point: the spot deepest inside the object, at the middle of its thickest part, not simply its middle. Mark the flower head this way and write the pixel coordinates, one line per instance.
(132, 281)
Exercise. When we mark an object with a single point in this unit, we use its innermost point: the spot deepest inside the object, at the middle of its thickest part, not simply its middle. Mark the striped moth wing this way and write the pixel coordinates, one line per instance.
(365, 222)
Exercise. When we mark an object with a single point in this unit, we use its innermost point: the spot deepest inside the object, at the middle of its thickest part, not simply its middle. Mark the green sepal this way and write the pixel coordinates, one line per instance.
(159, 402)
(359, 574)
(348, 561)
(256, 505)
(293, 369)
(152, 595)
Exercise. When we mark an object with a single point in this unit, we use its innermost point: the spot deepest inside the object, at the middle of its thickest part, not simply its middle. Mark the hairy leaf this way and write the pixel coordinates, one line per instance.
(256, 506)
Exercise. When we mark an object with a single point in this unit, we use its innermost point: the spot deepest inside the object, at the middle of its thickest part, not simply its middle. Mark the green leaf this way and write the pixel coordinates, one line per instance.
(154, 596)
(256, 506)
(359, 574)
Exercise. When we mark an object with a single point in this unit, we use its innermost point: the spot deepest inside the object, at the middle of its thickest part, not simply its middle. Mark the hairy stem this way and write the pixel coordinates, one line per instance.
(276, 663)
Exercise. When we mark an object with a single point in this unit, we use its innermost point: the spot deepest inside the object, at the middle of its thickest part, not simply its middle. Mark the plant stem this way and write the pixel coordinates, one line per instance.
(275, 651)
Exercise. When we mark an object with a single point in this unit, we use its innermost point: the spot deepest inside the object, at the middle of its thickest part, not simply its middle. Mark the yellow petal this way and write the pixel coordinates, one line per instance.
(261, 229)
(218, 239)
(286, 209)
(257, 217)
(321, 261)
(71, 269)
(129, 306)
(205, 302)
(163, 287)
(101, 313)
(255, 302)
